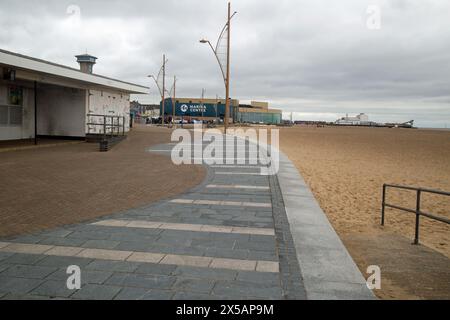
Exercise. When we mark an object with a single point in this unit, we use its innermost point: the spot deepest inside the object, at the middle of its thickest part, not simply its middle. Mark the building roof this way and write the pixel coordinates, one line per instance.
(197, 100)
(23, 62)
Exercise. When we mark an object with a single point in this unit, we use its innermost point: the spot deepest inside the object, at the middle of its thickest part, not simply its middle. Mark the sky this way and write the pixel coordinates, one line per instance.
(319, 59)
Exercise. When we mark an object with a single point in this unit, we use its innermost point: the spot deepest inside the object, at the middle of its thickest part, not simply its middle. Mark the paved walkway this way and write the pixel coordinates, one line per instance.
(44, 188)
(228, 238)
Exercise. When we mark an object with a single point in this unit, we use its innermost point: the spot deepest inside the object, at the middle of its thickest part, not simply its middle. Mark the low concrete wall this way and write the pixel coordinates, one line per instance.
(328, 270)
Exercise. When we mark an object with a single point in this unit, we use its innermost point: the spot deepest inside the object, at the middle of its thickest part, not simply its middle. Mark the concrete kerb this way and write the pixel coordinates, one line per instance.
(328, 270)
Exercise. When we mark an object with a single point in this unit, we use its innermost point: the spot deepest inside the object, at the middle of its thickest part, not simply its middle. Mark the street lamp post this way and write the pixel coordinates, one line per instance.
(225, 73)
(162, 90)
(215, 108)
(201, 104)
(173, 100)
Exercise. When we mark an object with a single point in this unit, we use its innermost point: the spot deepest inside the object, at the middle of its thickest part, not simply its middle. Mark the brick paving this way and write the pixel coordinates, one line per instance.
(53, 186)
(207, 243)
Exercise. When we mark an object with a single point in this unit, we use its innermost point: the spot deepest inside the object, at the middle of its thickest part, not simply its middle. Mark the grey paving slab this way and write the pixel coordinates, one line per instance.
(247, 289)
(24, 259)
(63, 262)
(173, 249)
(27, 271)
(58, 233)
(88, 235)
(101, 244)
(5, 255)
(144, 246)
(27, 239)
(205, 273)
(256, 246)
(141, 281)
(87, 276)
(96, 292)
(180, 295)
(52, 289)
(193, 285)
(208, 243)
(263, 255)
(272, 279)
(9, 284)
(155, 269)
(130, 293)
(3, 267)
(226, 253)
(60, 241)
(158, 295)
(114, 266)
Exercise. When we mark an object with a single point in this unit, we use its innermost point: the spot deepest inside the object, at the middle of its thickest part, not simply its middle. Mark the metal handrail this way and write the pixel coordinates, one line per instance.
(108, 124)
(417, 211)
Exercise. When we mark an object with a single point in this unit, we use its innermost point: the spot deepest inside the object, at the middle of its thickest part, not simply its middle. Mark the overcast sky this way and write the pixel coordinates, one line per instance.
(317, 58)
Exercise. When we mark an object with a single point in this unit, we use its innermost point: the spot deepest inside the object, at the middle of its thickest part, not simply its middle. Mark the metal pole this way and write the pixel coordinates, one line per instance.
(104, 127)
(382, 204)
(163, 88)
(227, 102)
(216, 108)
(35, 113)
(416, 234)
(174, 101)
(201, 104)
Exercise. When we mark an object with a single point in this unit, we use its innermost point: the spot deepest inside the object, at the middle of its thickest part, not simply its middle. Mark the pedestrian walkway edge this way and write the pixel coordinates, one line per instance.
(328, 270)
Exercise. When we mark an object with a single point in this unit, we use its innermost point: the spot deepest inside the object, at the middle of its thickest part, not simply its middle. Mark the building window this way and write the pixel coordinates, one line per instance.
(11, 114)
(15, 96)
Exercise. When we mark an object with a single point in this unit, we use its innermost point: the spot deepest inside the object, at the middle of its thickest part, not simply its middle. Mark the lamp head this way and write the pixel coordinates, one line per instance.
(204, 41)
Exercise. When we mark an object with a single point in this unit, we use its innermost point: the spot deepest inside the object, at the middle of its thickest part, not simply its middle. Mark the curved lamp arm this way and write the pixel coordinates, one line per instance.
(214, 50)
(157, 85)
(218, 60)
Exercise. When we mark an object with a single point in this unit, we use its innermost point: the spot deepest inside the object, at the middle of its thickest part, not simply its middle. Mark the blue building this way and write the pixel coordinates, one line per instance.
(211, 109)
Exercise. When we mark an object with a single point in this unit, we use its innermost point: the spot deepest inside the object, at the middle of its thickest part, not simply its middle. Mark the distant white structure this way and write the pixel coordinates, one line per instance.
(360, 119)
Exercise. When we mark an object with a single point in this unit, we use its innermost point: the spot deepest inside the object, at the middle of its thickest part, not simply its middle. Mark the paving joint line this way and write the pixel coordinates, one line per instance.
(146, 224)
(143, 257)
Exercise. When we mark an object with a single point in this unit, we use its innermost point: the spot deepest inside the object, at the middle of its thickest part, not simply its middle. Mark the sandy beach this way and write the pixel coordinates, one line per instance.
(346, 168)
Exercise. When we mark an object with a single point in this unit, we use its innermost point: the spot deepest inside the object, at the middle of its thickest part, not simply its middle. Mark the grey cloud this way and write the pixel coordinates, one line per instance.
(313, 57)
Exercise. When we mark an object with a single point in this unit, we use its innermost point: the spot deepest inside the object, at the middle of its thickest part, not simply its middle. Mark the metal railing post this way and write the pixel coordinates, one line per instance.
(417, 211)
(382, 204)
(416, 234)
(104, 127)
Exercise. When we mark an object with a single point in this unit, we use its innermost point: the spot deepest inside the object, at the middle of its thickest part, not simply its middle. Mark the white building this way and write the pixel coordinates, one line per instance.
(41, 98)
(360, 119)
